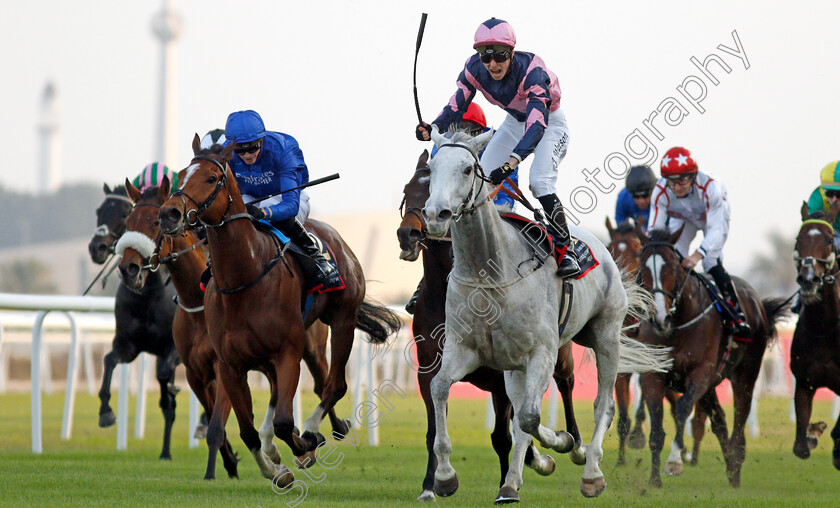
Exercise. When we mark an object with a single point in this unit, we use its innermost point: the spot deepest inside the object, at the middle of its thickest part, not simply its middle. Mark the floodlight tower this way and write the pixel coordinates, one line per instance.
(49, 167)
(166, 25)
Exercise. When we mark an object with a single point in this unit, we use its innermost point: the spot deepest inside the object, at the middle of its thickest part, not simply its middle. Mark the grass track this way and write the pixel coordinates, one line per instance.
(88, 471)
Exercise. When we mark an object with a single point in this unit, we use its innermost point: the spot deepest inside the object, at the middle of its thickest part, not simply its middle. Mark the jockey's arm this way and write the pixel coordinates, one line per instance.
(717, 221)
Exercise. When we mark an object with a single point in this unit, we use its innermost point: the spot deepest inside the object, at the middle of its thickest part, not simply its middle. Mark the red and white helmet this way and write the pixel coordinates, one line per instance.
(677, 161)
(495, 31)
(475, 115)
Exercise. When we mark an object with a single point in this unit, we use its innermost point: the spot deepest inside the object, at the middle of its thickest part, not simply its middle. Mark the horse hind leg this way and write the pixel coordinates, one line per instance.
(341, 342)
(622, 396)
(500, 437)
(315, 357)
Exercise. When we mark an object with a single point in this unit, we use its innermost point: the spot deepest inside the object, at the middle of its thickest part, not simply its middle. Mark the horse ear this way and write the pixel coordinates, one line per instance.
(676, 235)
(133, 192)
(832, 212)
(643, 237)
(610, 227)
(437, 137)
(106, 188)
(480, 141)
(227, 152)
(423, 161)
(164, 187)
(804, 211)
(196, 144)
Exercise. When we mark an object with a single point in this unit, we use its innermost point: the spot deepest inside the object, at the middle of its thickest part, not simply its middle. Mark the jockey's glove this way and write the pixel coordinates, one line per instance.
(498, 175)
(419, 133)
(255, 211)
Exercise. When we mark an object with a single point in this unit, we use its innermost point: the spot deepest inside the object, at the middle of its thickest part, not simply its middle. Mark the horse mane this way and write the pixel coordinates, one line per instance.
(819, 215)
(215, 149)
(625, 227)
(149, 192)
(459, 135)
(119, 190)
(660, 235)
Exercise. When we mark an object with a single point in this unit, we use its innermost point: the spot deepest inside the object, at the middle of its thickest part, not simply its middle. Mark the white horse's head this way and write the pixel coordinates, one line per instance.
(454, 184)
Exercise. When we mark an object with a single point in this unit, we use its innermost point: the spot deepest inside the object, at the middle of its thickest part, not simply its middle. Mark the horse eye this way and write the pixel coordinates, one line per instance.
(211, 179)
(468, 170)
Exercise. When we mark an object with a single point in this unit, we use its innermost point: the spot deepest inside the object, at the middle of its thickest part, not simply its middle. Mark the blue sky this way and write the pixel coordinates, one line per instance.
(337, 76)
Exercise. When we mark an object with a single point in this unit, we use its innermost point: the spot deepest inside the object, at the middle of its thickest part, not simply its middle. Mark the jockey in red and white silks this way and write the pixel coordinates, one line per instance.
(705, 208)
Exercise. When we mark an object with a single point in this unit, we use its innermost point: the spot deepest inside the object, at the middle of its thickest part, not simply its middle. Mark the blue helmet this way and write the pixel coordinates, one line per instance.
(244, 127)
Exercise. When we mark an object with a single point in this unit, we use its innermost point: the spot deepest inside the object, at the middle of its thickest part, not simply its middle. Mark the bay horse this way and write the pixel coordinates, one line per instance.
(815, 349)
(684, 318)
(186, 259)
(143, 318)
(255, 306)
(429, 339)
(511, 321)
(625, 247)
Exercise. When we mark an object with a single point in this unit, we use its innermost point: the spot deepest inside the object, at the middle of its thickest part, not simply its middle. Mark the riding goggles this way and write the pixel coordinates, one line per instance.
(830, 193)
(490, 54)
(641, 195)
(679, 180)
(249, 148)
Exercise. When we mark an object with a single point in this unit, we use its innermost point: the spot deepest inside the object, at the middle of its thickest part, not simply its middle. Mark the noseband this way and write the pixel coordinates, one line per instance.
(830, 263)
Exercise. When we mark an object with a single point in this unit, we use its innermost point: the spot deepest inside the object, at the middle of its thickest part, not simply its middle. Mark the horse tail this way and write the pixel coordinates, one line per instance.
(378, 321)
(636, 356)
(776, 310)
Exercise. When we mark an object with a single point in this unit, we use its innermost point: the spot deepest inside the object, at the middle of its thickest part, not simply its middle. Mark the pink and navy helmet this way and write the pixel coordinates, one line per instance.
(495, 31)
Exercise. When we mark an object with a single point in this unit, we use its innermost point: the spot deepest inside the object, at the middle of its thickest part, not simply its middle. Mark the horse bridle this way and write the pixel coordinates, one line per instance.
(478, 174)
(675, 297)
(204, 205)
(830, 262)
(103, 230)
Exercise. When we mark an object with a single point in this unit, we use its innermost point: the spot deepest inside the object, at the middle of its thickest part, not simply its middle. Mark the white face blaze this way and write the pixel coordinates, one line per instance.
(190, 171)
(655, 264)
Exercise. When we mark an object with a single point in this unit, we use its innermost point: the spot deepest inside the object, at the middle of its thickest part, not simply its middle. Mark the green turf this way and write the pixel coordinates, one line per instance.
(88, 471)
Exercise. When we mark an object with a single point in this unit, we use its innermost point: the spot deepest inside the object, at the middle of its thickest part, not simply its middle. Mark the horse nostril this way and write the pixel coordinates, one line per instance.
(132, 270)
(415, 235)
(444, 214)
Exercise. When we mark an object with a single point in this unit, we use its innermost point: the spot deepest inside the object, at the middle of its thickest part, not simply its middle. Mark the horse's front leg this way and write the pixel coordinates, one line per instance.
(622, 398)
(457, 363)
(803, 399)
(341, 345)
(743, 383)
(287, 370)
(166, 379)
(122, 351)
(697, 383)
(267, 427)
(235, 384)
(835, 435)
(564, 378)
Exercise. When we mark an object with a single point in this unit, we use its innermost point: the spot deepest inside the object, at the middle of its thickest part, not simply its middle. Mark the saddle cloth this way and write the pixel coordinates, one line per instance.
(543, 244)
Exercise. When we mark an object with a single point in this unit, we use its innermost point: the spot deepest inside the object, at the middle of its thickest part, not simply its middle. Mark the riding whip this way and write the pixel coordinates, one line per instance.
(416, 52)
(334, 176)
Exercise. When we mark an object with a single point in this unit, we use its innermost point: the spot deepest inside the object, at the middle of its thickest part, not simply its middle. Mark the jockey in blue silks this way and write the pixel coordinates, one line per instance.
(634, 199)
(522, 85)
(268, 162)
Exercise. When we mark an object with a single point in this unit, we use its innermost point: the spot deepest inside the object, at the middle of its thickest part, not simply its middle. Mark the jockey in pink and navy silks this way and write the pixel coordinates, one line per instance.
(522, 85)
(689, 198)
(266, 163)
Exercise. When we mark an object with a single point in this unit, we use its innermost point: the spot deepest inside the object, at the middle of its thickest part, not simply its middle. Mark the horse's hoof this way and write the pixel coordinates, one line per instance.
(445, 488)
(578, 456)
(283, 478)
(545, 467)
(592, 487)
(673, 468)
(835, 459)
(426, 495)
(200, 431)
(637, 440)
(341, 432)
(507, 495)
(107, 419)
(801, 450)
(621, 461)
(313, 439)
(655, 482)
(815, 431)
(209, 476)
(567, 442)
(306, 460)
(165, 456)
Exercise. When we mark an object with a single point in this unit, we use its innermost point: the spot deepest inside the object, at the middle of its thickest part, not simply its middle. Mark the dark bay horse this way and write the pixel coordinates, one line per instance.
(143, 318)
(815, 350)
(255, 306)
(428, 327)
(625, 248)
(186, 260)
(685, 319)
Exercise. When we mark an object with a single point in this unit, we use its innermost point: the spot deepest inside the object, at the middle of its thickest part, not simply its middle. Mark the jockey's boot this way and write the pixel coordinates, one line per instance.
(326, 274)
(412, 302)
(737, 320)
(555, 219)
